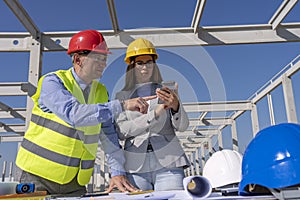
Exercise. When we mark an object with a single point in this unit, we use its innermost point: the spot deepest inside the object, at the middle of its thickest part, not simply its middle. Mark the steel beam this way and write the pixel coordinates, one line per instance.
(289, 99)
(285, 7)
(210, 121)
(166, 37)
(217, 106)
(113, 15)
(176, 37)
(11, 138)
(198, 14)
(23, 17)
(13, 128)
(12, 89)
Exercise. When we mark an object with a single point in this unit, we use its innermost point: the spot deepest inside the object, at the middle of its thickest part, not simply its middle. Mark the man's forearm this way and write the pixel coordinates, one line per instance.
(113, 151)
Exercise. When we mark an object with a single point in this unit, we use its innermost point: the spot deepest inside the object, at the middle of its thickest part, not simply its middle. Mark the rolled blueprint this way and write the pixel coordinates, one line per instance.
(197, 187)
(8, 188)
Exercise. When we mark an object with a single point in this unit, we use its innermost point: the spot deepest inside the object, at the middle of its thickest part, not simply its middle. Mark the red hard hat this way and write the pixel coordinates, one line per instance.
(88, 40)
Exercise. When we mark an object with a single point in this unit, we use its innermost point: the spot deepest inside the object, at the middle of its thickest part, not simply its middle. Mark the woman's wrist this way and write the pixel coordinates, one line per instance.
(174, 111)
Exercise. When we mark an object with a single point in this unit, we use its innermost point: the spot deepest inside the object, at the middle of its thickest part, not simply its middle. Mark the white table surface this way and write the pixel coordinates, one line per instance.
(171, 195)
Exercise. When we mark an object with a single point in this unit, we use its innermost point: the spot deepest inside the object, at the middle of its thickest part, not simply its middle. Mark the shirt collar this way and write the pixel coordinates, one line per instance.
(80, 82)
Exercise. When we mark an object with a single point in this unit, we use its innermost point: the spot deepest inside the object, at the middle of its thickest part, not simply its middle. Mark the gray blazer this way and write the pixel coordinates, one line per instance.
(138, 129)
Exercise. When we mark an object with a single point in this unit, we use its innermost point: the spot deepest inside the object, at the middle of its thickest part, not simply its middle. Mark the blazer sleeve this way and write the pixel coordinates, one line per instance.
(180, 119)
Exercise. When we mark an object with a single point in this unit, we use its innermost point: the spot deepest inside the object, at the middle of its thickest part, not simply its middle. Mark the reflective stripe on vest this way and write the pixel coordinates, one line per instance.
(64, 130)
(54, 150)
(55, 157)
(50, 155)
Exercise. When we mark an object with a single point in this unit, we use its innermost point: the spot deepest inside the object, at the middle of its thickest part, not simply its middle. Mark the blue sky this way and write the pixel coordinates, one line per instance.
(240, 69)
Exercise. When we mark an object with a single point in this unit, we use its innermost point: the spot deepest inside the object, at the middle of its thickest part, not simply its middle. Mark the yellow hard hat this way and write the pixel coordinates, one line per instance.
(138, 47)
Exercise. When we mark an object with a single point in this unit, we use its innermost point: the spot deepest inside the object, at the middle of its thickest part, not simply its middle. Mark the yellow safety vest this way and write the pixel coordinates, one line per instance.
(53, 149)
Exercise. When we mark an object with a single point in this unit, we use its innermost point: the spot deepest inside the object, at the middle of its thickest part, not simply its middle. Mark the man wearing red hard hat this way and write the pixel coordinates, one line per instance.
(70, 109)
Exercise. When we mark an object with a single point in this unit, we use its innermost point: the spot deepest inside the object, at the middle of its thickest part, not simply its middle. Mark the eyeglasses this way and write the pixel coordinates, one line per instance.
(96, 57)
(84, 52)
(148, 64)
(99, 58)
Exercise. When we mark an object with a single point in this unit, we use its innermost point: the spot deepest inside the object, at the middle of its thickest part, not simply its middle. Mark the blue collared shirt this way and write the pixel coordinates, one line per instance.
(55, 98)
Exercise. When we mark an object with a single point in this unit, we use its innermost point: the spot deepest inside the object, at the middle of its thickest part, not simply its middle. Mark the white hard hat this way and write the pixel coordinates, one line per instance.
(223, 168)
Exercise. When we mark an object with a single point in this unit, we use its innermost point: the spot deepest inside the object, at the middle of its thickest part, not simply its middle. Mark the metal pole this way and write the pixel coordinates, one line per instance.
(3, 171)
(10, 171)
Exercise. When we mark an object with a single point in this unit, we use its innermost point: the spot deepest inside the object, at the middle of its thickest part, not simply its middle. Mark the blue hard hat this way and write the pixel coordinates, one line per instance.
(272, 158)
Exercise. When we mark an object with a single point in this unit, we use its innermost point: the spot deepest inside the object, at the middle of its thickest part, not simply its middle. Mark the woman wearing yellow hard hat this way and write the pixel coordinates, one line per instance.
(139, 47)
(155, 159)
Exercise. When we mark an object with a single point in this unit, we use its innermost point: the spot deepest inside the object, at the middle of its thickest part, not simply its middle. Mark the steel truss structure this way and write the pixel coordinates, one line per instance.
(197, 141)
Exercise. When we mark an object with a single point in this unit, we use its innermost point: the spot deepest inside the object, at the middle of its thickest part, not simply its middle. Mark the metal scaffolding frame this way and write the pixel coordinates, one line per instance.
(197, 140)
